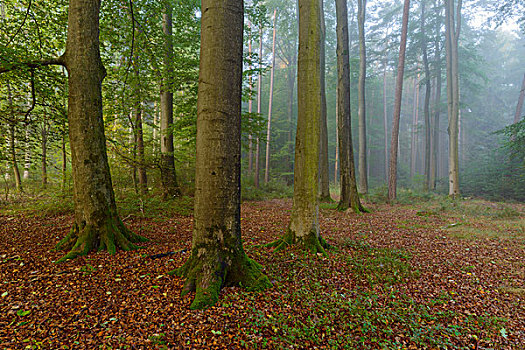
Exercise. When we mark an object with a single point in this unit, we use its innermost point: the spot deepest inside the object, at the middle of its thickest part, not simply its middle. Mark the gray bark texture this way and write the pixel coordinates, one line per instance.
(361, 97)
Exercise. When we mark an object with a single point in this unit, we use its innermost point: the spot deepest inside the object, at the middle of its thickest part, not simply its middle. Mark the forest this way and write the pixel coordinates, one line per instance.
(223, 174)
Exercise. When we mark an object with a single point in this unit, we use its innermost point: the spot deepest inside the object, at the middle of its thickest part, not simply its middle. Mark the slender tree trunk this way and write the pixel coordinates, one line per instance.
(361, 92)
(12, 142)
(27, 154)
(64, 160)
(392, 178)
(141, 161)
(291, 87)
(519, 107)
(97, 225)
(385, 112)
(217, 255)
(324, 180)
(434, 164)
(426, 107)
(250, 109)
(415, 122)
(336, 162)
(453, 30)
(168, 174)
(155, 135)
(44, 134)
(259, 104)
(349, 195)
(268, 131)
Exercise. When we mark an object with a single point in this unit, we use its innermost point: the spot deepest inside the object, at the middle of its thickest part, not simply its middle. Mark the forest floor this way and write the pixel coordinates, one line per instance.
(432, 275)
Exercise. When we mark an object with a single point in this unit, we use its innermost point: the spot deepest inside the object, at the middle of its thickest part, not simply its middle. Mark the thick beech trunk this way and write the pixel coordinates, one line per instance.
(361, 97)
(324, 180)
(217, 256)
(392, 173)
(97, 225)
(168, 175)
(304, 221)
(349, 194)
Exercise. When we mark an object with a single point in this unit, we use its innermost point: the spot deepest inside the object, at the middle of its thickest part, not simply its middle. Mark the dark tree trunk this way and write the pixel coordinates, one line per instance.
(97, 225)
(168, 175)
(392, 174)
(217, 256)
(349, 194)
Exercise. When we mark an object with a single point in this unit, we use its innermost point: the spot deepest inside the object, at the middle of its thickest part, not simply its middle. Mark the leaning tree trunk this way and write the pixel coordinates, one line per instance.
(349, 194)
(217, 256)
(304, 222)
(168, 175)
(324, 180)
(363, 179)
(392, 170)
(97, 225)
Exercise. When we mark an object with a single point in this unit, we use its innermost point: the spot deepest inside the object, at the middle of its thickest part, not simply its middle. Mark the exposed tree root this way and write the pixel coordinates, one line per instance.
(312, 242)
(358, 208)
(208, 272)
(108, 236)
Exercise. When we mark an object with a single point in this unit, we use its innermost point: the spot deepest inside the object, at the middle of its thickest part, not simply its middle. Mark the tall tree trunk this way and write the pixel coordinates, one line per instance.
(519, 107)
(324, 180)
(217, 256)
(304, 222)
(392, 174)
(250, 108)
(361, 92)
(259, 104)
(434, 164)
(12, 142)
(414, 133)
(349, 195)
(64, 160)
(168, 174)
(385, 112)
(336, 162)
(426, 106)
(141, 161)
(97, 225)
(270, 104)
(44, 134)
(453, 30)
(27, 154)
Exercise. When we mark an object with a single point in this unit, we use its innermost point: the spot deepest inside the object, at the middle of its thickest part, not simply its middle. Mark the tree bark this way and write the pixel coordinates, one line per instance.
(270, 104)
(259, 104)
(324, 180)
(361, 92)
(304, 222)
(385, 110)
(217, 256)
(12, 142)
(434, 163)
(250, 108)
(453, 30)
(168, 174)
(97, 225)
(348, 185)
(519, 107)
(44, 134)
(392, 174)
(414, 133)
(426, 106)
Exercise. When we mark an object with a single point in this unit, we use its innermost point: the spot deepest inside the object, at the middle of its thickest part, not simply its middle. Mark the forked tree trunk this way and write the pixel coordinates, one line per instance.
(304, 222)
(392, 173)
(361, 98)
(217, 256)
(97, 225)
(168, 175)
(270, 105)
(324, 180)
(349, 194)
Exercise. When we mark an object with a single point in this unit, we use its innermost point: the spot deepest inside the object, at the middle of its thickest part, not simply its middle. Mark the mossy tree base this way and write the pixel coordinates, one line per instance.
(207, 272)
(311, 242)
(358, 208)
(85, 238)
(326, 199)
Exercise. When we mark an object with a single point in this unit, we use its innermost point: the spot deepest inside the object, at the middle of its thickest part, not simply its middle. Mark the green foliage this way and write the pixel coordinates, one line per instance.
(273, 189)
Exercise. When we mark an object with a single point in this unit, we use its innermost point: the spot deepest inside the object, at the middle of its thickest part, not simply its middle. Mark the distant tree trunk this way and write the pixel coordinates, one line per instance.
(324, 170)
(27, 154)
(168, 175)
(304, 222)
(12, 142)
(415, 117)
(361, 92)
(250, 109)
(259, 104)
(385, 111)
(392, 178)
(141, 161)
(336, 162)
(64, 160)
(268, 131)
(44, 135)
(426, 106)
(453, 30)
(97, 225)
(437, 103)
(217, 255)
(291, 86)
(349, 194)
(519, 107)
